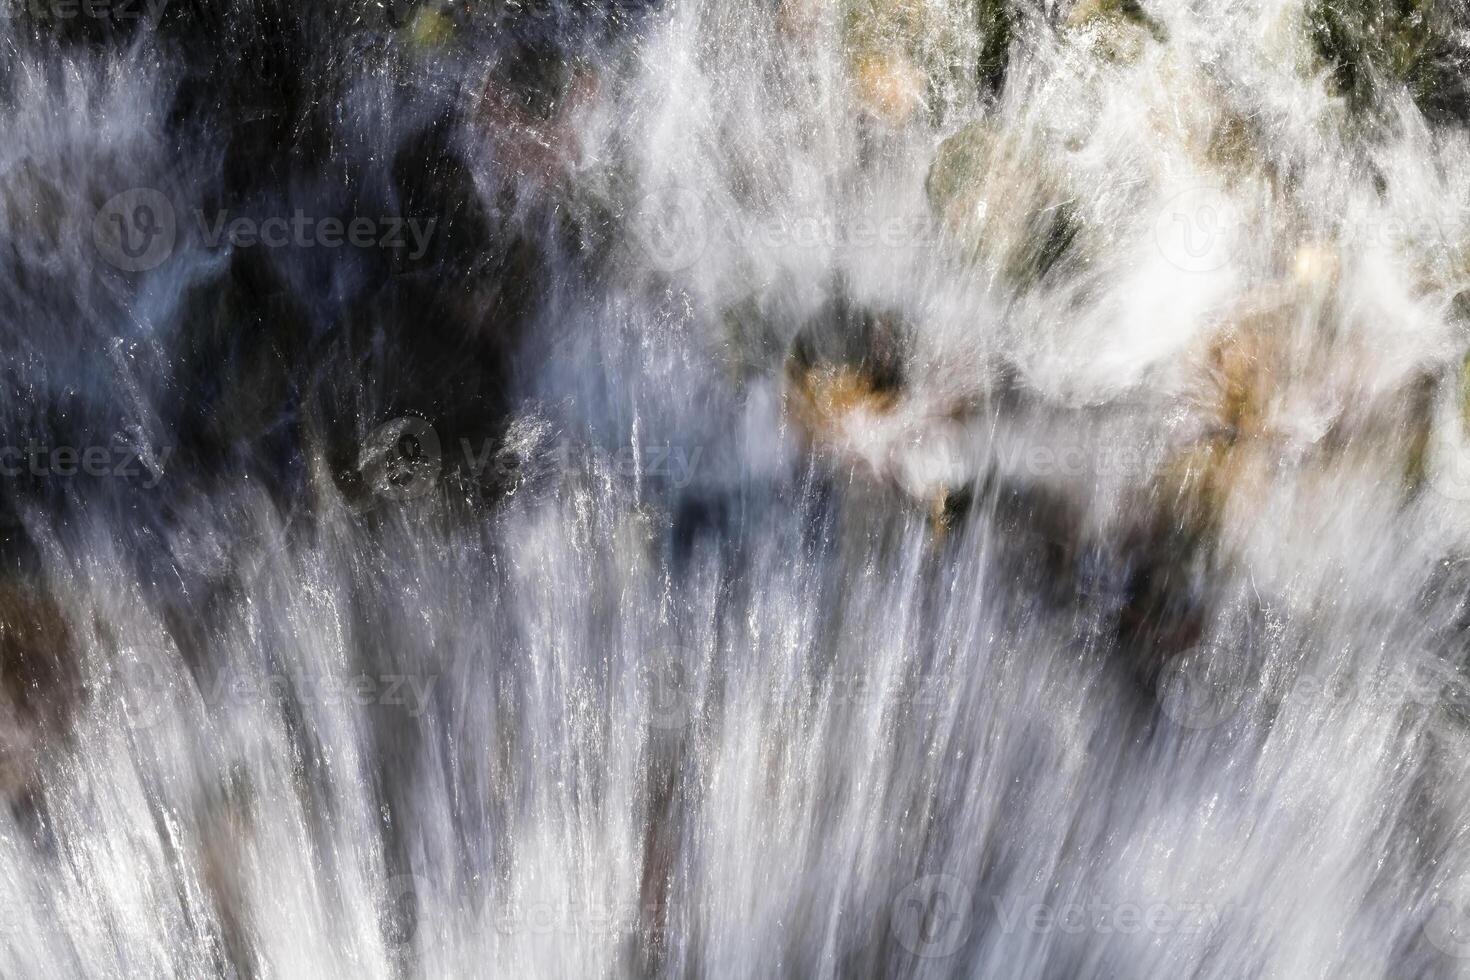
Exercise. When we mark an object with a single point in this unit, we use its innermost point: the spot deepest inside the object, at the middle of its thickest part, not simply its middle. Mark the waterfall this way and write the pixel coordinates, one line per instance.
(734, 488)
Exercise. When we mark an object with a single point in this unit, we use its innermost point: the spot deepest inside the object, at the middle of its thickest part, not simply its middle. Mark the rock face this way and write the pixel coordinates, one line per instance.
(848, 360)
(998, 196)
(1118, 30)
(905, 56)
(1368, 47)
(40, 683)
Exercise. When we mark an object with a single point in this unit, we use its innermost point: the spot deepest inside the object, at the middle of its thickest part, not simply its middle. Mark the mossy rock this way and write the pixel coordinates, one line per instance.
(997, 23)
(1464, 386)
(848, 339)
(1119, 30)
(40, 681)
(431, 28)
(908, 54)
(977, 183)
(846, 359)
(1370, 46)
(890, 86)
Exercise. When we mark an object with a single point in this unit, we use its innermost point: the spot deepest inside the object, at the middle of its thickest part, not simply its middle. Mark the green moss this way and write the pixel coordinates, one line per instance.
(1369, 46)
(1465, 392)
(997, 24)
(431, 29)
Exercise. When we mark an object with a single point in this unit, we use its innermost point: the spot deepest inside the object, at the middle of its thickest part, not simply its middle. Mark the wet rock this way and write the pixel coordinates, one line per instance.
(904, 54)
(889, 86)
(1001, 199)
(1168, 559)
(434, 25)
(1042, 533)
(33, 204)
(848, 360)
(998, 24)
(1118, 30)
(40, 682)
(752, 340)
(1369, 47)
(948, 508)
(241, 362)
(225, 821)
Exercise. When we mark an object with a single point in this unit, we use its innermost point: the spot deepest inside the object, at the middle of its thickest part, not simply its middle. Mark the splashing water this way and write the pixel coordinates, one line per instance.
(735, 489)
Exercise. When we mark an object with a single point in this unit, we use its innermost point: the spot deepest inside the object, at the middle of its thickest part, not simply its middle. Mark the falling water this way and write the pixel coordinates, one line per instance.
(734, 488)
